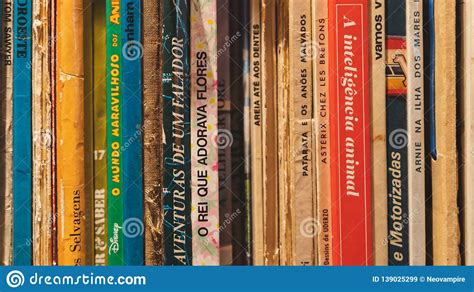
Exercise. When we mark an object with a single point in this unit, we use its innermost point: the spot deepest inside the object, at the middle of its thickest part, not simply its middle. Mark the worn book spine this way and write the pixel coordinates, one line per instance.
(467, 106)
(114, 75)
(41, 130)
(22, 136)
(378, 124)
(256, 126)
(416, 135)
(322, 145)
(397, 136)
(285, 199)
(177, 156)
(70, 133)
(224, 124)
(205, 133)
(152, 130)
(132, 53)
(6, 91)
(270, 132)
(350, 132)
(303, 225)
(100, 139)
(444, 167)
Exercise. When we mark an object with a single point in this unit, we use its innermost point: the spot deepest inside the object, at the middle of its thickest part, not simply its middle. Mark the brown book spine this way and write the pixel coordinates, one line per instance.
(152, 131)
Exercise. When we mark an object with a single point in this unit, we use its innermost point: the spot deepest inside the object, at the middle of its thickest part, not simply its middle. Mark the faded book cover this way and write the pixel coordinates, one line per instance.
(446, 229)
(100, 144)
(152, 131)
(467, 133)
(416, 133)
(205, 134)
(350, 132)
(322, 143)
(303, 225)
(256, 134)
(42, 135)
(270, 132)
(378, 124)
(6, 135)
(70, 133)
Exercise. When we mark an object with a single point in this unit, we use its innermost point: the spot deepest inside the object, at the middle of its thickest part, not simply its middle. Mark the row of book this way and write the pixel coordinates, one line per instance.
(250, 132)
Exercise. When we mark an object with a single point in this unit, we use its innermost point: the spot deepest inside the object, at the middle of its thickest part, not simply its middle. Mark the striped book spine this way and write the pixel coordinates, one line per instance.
(6, 90)
(176, 91)
(100, 133)
(22, 148)
(132, 130)
(114, 72)
(70, 133)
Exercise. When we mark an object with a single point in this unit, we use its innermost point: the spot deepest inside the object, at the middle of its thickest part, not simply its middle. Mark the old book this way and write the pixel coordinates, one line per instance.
(22, 136)
(132, 51)
(42, 135)
(350, 132)
(152, 131)
(177, 156)
(205, 134)
(446, 229)
(115, 104)
(6, 91)
(100, 139)
(256, 134)
(270, 132)
(224, 124)
(322, 153)
(303, 224)
(396, 134)
(283, 80)
(415, 131)
(467, 134)
(379, 146)
(70, 133)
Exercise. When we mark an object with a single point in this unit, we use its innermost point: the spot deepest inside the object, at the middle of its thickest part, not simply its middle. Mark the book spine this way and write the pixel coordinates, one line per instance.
(6, 219)
(224, 124)
(378, 118)
(114, 71)
(100, 136)
(467, 57)
(70, 133)
(350, 132)
(22, 146)
(322, 152)
(256, 133)
(54, 169)
(205, 135)
(415, 129)
(132, 132)
(176, 93)
(153, 130)
(285, 198)
(446, 229)
(270, 133)
(397, 136)
(300, 130)
(41, 130)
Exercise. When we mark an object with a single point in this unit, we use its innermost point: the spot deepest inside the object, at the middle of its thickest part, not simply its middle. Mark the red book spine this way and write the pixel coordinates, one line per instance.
(350, 132)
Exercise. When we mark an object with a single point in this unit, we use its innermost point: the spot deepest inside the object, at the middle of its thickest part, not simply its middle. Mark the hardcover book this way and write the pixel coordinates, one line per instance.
(350, 132)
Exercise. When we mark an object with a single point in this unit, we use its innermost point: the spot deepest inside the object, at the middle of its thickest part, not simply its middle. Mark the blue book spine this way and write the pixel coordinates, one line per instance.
(132, 132)
(22, 161)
